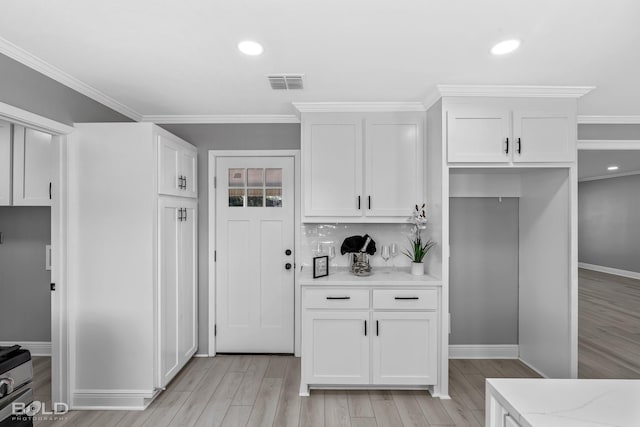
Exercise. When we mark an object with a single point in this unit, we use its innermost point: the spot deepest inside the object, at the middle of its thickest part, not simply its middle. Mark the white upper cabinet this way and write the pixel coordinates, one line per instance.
(32, 158)
(508, 131)
(5, 163)
(332, 165)
(177, 167)
(362, 167)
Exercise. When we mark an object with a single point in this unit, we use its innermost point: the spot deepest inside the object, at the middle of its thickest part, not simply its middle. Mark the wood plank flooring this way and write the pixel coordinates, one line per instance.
(609, 326)
(263, 390)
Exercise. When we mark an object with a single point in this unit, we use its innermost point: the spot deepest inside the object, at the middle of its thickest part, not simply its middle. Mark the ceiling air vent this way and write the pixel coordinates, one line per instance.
(286, 81)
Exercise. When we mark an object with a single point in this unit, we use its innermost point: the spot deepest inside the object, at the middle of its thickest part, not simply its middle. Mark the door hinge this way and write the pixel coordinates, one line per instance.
(52, 286)
(215, 330)
(215, 182)
(215, 256)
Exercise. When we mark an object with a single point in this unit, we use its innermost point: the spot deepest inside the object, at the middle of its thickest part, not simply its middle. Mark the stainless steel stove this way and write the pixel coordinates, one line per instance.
(16, 374)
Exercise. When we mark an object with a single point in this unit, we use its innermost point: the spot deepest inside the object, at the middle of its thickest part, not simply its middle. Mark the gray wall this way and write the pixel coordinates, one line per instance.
(608, 131)
(225, 137)
(609, 222)
(483, 297)
(26, 88)
(24, 282)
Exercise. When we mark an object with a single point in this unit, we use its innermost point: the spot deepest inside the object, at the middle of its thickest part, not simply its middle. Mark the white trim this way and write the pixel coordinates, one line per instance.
(34, 121)
(610, 270)
(530, 366)
(608, 120)
(213, 154)
(506, 351)
(37, 348)
(608, 144)
(122, 400)
(613, 175)
(201, 355)
(17, 53)
(358, 107)
(431, 99)
(515, 91)
(220, 118)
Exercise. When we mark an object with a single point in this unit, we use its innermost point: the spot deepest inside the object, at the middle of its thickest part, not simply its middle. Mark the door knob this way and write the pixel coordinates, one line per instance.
(288, 266)
(287, 252)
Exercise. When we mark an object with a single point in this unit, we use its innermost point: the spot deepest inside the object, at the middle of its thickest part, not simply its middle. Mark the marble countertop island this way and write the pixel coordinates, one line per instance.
(568, 402)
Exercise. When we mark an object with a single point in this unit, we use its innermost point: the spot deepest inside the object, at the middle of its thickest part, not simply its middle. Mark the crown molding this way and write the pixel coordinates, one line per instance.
(514, 91)
(221, 118)
(608, 144)
(32, 120)
(608, 120)
(358, 107)
(17, 53)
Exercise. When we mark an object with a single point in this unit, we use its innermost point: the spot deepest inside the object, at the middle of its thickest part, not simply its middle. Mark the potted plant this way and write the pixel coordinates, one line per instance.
(418, 248)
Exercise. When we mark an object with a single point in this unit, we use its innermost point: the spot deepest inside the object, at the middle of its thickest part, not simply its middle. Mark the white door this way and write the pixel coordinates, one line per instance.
(170, 217)
(188, 284)
(543, 137)
(168, 167)
(254, 250)
(336, 347)
(32, 159)
(332, 166)
(394, 159)
(404, 348)
(478, 134)
(5, 163)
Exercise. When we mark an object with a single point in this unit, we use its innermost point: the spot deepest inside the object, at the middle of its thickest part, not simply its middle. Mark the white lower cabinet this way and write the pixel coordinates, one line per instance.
(338, 347)
(177, 285)
(377, 337)
(404, 346)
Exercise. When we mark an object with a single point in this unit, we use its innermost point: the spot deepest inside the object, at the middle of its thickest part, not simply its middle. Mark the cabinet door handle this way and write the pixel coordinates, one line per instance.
(358, 202)
(185, 213)
(50, 191)
(377, 328)
(519, 146)
(330, 298)
(365, 328)
(506, 146)
(403, 298)
(369, 197)
(184, 182)
(180, 214)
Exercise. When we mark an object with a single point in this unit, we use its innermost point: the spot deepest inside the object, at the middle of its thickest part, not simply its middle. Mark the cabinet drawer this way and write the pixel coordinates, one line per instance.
(410, 299)
(336, 298)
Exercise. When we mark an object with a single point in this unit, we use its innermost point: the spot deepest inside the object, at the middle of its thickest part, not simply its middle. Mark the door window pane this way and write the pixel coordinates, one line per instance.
(236, 197)
(274, 198)
(273, 177)
(255, 177)
(236, 178)
(255, 197)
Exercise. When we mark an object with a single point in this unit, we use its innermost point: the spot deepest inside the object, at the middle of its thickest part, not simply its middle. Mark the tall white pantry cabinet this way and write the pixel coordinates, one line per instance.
(132, 250)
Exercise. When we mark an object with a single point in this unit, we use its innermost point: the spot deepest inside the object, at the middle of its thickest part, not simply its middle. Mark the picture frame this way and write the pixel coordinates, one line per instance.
(320, 266)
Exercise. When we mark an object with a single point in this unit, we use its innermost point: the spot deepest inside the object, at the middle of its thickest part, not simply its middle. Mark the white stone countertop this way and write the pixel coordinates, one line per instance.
(381, 276)
(569, 402)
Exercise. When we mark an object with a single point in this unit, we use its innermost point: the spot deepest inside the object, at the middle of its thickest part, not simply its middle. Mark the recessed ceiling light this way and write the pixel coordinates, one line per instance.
(505, 47)
(613, 168)
(249, 47)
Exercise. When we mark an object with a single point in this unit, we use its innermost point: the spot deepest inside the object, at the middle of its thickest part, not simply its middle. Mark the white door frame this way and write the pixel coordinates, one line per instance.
(59, 298)
(213, 155)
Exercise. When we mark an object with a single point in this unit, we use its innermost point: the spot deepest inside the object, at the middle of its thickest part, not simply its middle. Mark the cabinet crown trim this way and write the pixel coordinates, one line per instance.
(514, 91)
(358, 107)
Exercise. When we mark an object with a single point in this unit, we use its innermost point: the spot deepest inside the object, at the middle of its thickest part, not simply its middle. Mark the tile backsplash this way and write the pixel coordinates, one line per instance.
(316, 239)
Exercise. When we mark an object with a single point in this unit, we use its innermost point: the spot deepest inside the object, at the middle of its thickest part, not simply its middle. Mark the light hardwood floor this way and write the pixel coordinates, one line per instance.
(609, 326)
(263, 390)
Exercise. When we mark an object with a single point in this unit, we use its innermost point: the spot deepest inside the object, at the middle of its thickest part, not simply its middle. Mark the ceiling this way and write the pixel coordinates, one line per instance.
(150, 57)
(594, 163)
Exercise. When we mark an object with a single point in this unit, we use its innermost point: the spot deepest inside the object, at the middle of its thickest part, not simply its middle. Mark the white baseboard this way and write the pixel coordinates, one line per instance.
(506, 351)
(37, 348)
(120, 400)
(538, 371)
(610, 270)
(200, 355)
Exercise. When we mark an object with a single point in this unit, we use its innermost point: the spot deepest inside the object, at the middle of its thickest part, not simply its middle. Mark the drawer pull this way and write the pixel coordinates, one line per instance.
(407, 298)
(338, 297)
(377, 328)
(365, 328)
